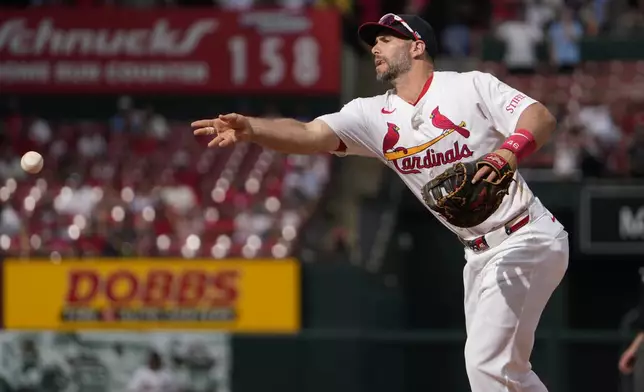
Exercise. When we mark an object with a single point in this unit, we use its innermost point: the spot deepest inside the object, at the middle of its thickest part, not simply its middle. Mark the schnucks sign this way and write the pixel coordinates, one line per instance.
(169, 51)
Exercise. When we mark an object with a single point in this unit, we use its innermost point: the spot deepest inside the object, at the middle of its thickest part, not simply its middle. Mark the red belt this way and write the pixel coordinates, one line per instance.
(481, 243)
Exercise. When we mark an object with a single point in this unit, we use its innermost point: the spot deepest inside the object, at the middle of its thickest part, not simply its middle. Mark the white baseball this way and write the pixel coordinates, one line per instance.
(32, 162)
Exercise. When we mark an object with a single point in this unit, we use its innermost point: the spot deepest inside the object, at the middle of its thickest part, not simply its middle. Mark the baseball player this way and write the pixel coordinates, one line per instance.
(455, 139)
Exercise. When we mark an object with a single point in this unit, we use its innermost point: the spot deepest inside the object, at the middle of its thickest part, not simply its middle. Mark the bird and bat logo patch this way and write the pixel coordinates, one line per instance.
(408, 160)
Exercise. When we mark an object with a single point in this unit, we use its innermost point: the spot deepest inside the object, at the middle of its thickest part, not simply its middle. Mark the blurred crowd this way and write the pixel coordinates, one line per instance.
(600, 114)
(599, 105)
(114, 362)
(141, 184)
(557, 29)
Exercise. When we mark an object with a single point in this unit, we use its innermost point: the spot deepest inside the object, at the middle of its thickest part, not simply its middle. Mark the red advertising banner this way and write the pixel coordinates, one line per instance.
(169, 51)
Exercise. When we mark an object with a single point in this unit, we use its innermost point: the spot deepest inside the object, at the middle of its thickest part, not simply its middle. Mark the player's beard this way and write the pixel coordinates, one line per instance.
(396, 66)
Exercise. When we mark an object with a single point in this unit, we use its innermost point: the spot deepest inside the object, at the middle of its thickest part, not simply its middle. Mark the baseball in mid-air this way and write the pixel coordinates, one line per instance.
(32, 162)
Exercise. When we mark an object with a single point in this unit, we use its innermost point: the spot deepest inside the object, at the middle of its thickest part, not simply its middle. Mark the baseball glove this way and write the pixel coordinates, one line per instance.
(462, 203)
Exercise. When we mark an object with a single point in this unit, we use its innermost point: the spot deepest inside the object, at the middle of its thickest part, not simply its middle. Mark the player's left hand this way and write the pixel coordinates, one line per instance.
(487, 172)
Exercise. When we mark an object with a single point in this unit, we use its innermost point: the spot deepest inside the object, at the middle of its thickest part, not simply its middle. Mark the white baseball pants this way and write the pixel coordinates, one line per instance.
(506, 290)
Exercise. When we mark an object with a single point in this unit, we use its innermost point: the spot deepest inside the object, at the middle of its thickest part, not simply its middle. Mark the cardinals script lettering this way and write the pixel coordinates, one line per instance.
(409, 160)
(431, 158)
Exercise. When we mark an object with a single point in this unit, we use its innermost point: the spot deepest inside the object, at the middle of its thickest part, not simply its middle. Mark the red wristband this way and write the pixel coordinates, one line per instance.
(521, 143)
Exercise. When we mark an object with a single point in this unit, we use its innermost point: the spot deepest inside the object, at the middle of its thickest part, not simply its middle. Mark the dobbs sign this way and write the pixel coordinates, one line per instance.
(244, 296)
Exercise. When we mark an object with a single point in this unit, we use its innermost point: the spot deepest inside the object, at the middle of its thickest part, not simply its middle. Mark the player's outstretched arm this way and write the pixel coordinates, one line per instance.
(284, 135)
(292, 136)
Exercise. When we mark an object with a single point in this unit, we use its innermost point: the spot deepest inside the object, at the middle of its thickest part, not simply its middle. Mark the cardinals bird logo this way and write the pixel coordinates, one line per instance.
(439, 121)
(391, 139)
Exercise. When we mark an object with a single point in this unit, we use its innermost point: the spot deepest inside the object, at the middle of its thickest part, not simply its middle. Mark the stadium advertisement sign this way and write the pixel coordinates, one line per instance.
(612, 219)
(231, 295)
(112, 50)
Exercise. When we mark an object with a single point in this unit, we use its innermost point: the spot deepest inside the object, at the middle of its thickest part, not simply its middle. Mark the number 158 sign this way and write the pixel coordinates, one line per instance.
(279, 60)
(169, 51)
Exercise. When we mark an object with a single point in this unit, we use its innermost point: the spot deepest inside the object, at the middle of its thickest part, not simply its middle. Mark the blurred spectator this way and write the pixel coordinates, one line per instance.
(29, 379)
(152, 377)
(237, 5)
(600, 12)
(539, 13)
(75, 198)
(157, 125)
(119, 121)
(568, 148)
(128, 118)
(146, 196)
(10, 163)
(636, 153)
(306, 177)
(593, 16)
(563, 36)
(180, 197)
(39, 131)
(455, 38)
(630, 22)
(521, 41)
(91, 144)
(189, 223)
(251, 222)
(295, 4)
(601, 135)
(596, 118)
(137, 121)
(118, 359)
(10, 223)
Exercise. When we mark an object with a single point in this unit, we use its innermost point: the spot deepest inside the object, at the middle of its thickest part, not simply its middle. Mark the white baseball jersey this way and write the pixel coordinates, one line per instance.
(458, 117)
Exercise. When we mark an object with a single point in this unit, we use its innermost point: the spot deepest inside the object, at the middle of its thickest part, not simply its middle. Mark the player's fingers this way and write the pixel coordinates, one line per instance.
(482, 172)
(225, 143)
(491, 176)
(229, 140)
(216, 126)
(215, 141)
(230, 118)
(202, 123)
(205, 131)
(224, 140)
(625, 364)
